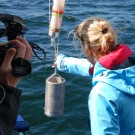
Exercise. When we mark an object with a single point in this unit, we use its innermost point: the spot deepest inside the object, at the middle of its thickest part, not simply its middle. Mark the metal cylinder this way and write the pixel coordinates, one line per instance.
(54, 96)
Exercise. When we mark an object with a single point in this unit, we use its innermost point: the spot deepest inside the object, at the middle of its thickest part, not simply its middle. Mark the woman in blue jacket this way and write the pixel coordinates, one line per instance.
(111, 101)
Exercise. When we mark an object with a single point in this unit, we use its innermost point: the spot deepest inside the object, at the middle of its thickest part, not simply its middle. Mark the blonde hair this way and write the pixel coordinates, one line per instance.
(97, 34)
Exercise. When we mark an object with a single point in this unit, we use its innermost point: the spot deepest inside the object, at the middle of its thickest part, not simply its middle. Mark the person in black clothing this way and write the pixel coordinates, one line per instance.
(9, 93)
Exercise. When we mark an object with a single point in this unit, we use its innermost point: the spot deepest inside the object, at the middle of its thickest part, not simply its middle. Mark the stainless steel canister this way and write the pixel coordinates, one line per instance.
(54, 96)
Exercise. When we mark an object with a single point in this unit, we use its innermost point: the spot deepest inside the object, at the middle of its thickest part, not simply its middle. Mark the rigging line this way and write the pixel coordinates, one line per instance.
(49, 11)
(55, 51)
(59, 31)
(56, 35)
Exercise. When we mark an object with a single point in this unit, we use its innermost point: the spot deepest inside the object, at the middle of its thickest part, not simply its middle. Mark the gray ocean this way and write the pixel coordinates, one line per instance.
(121, 13)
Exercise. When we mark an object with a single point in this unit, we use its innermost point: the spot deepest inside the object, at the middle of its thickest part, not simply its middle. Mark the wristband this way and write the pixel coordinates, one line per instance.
(21, 67)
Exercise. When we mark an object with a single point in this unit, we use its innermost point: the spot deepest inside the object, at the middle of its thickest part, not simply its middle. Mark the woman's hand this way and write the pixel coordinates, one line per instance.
(24, 50)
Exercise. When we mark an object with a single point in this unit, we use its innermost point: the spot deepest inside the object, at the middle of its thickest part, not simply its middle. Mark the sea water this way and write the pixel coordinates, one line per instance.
(36, 15)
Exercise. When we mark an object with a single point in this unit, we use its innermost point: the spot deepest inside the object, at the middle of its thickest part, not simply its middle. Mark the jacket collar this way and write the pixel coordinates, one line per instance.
(118, 56)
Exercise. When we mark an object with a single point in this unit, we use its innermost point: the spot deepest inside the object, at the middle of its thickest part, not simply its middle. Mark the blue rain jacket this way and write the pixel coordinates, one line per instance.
(74, 65)
(112, 108)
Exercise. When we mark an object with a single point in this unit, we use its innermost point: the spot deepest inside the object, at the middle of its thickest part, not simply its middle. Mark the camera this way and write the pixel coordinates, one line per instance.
(14, 26)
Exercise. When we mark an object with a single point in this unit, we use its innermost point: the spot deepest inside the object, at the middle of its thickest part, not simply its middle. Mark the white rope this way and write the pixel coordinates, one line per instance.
(53, 39)
(49, 11)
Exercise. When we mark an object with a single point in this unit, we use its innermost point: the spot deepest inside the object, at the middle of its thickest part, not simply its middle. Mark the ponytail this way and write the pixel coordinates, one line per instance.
(98, 34)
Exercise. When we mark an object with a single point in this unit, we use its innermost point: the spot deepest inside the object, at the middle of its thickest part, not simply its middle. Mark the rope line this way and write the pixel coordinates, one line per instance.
(56, 35)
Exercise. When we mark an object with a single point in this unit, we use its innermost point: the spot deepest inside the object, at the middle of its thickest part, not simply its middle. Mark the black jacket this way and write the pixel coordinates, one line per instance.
(9, 106)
